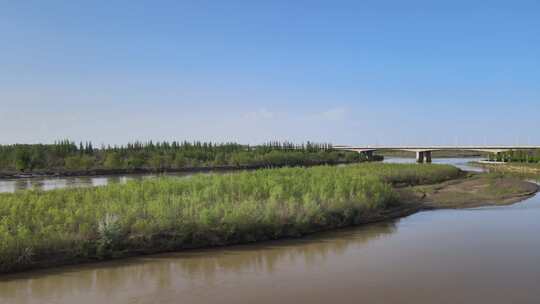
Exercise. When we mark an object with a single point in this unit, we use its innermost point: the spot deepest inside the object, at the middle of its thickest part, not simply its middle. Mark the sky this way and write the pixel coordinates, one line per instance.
(346, 72)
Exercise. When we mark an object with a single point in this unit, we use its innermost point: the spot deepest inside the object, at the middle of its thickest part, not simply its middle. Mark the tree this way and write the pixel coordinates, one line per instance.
(73, 163)
(136, 161)
(113, 161)
(87, 162)
(180, 161)
(22, 158)
(38, 157)
(220, 159)
(160, 162)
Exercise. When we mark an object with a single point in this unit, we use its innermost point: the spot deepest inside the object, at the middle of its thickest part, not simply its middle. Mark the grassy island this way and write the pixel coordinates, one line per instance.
(73, 225)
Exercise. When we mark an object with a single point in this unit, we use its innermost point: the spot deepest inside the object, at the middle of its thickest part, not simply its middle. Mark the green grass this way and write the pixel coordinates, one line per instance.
(168, 213)
(530, 165)
(521, 170)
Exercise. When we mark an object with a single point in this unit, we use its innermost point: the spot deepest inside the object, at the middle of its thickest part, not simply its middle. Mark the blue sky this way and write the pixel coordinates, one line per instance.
(347, 72)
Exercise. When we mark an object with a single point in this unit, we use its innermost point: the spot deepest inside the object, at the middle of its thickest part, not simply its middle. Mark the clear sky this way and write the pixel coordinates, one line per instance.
(347, 72)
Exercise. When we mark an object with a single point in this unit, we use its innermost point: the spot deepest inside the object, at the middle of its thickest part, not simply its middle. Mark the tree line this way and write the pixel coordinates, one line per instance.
(66, 155)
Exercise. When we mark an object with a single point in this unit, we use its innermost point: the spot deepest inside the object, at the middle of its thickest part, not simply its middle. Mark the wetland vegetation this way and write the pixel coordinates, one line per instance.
(516, 168)
(524, 163)
(521, 156)
(40, 228)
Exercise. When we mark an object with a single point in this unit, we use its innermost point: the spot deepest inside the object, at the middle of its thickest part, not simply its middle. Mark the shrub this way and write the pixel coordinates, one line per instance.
(170, 213)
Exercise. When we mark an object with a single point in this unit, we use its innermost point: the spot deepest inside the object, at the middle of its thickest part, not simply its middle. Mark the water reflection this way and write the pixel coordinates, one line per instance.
(48, 183)
(192, 269)
(51, 183)
(461, 162)
(487, 255)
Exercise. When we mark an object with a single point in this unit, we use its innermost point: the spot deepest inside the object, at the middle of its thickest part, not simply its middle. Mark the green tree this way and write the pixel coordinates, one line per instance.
(113, 160)
(80, 162)
(38, 157)
(87, 162)
(180, 161)
(220, 159)
(23, 159)
(240, 159)
(73, 163)
(136, 161)
(160, 162)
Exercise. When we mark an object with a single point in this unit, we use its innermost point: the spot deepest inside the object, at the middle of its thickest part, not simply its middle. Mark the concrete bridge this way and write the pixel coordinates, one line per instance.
(423, 153)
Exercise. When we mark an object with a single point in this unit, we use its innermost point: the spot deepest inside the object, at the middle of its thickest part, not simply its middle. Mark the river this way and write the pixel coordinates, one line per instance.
(51, 183)
(482, 255)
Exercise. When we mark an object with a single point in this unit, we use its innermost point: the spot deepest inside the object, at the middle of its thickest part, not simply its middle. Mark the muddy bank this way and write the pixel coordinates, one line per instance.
(519, 168)
(474, 190)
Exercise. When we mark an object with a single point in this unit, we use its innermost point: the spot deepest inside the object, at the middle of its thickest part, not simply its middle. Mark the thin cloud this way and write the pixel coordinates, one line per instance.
(334, 114)
(260, 114)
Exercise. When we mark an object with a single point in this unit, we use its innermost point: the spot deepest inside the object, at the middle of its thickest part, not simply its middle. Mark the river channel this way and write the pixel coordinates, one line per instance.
(482, 255)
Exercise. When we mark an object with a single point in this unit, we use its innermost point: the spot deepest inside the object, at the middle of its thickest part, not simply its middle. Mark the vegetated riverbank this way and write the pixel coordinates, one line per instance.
(42, 229)
(511, 167)
(531, 156)
(65, 158)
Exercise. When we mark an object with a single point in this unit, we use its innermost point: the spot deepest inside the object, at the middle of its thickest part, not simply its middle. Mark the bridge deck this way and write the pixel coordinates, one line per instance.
(438, 147)
(494, 149)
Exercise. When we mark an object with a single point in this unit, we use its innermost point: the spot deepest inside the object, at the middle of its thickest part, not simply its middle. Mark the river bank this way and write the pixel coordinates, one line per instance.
(471, 191)
(510, 167)
(45, 229)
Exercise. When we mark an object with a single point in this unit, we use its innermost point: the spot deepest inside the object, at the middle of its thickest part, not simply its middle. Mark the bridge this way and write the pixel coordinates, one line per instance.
(423, 153)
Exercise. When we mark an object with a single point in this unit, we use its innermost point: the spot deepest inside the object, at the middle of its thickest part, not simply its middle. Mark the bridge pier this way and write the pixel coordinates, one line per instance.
(369, 155)
(427, 157)
(498, 156)
(423, 156)
(419, 157)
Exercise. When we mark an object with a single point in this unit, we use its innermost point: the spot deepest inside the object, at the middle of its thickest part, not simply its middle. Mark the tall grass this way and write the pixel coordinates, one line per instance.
(169, 213)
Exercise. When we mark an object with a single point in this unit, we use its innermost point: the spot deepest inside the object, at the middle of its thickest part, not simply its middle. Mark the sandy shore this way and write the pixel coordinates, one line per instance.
(474, 190)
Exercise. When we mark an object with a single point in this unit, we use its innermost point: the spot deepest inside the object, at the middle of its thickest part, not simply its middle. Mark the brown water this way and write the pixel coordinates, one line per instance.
(51, 183)
(484, 255)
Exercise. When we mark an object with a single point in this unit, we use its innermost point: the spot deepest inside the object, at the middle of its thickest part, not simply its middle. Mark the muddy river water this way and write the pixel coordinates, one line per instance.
(483, 255)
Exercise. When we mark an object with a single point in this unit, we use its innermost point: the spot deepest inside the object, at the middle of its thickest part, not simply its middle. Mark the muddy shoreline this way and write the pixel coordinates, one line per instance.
(474, 190)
